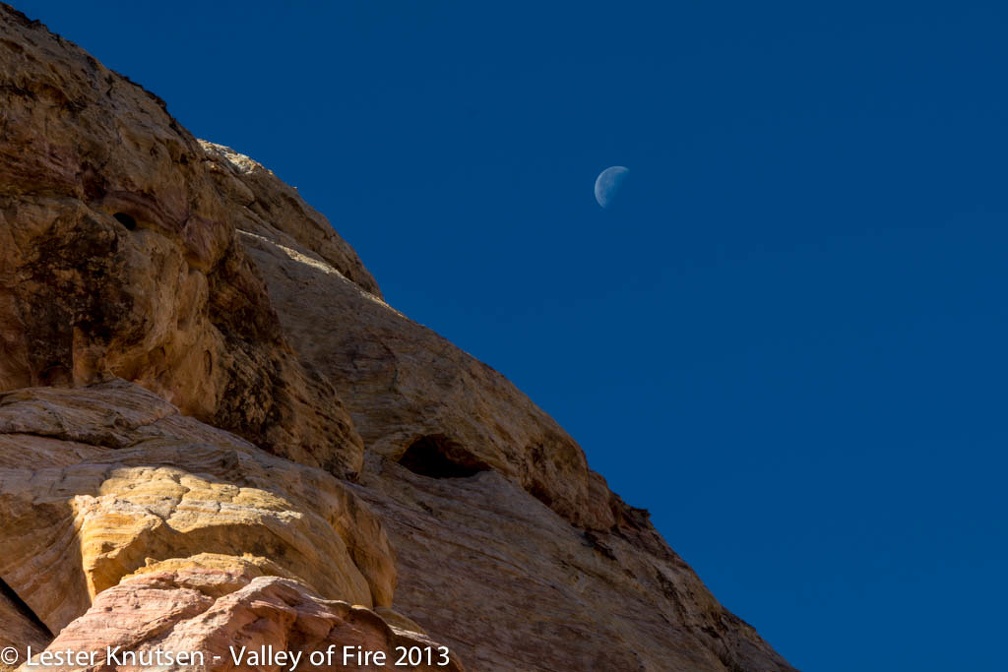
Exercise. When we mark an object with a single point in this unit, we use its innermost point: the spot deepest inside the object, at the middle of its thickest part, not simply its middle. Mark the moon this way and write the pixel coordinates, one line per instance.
(607, 184)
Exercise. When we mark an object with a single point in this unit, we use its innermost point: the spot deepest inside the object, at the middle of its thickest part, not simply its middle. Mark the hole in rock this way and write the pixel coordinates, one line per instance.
(126, 220)
(437, 456)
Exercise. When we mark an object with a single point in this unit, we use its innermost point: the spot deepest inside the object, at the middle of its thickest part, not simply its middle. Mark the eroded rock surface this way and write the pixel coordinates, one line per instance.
(120, 259)
(227, 617)
(407, 387)
(480, 488)
(169, 309)
(132, 482)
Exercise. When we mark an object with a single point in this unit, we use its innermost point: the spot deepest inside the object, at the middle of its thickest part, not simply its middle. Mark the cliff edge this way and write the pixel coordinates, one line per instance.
(216, 436)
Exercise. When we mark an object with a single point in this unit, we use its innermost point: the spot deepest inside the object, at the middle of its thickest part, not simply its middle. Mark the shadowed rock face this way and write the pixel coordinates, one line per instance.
(169, 309)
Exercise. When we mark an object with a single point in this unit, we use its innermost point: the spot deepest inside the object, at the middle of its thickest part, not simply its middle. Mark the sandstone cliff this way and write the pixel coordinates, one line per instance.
(215, 432)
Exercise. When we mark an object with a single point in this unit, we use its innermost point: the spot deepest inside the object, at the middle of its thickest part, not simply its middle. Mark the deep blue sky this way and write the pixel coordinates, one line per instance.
(788, 337)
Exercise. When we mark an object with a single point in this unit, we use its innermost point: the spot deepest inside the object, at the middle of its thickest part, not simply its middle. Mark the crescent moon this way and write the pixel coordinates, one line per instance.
(608, 183)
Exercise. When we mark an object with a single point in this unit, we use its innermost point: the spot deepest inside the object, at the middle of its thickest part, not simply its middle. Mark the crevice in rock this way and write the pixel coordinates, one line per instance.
(541, 492)
(594, 541)
(126, 220)
(103, 441)
(23, 608)
(438, 456)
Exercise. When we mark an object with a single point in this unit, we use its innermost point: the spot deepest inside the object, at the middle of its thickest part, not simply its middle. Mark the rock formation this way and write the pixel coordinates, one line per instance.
(215, 434)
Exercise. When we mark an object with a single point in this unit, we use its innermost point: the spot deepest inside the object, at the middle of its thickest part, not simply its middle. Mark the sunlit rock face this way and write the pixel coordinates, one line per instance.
(214, 431)
(120, 259)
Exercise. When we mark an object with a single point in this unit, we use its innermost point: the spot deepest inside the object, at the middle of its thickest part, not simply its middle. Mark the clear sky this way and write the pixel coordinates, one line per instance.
(786, 338)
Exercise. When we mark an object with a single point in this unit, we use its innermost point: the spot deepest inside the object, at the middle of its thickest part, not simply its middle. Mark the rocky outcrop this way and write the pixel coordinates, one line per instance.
(214, 430)
(120, 259)
(96, 483)
(474, 479)
(220, 618)
(110, 499)
(409, 391)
